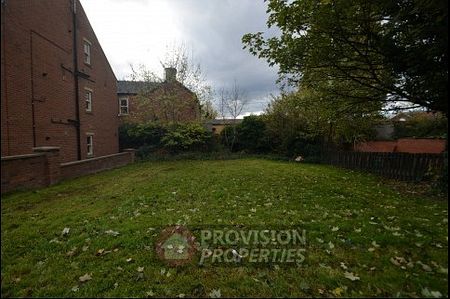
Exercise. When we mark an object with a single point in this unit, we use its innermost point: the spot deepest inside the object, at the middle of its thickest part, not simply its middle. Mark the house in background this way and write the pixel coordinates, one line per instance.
(57, 86)
(416, 132)
(166, 101)
(216, 126)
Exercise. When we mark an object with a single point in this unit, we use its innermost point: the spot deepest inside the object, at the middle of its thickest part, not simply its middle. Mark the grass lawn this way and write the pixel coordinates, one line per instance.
(389, 244)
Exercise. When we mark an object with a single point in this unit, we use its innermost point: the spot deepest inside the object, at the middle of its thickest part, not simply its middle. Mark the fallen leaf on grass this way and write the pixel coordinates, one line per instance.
(433, 294)
(72, 252)
(65, 231)
(85, 277)
(351, 276)
(425, 267)
(398, 260)
(337, 292)
(304, 286)
(215, 294)
(331, 245)
(112, 233)
(102, 251)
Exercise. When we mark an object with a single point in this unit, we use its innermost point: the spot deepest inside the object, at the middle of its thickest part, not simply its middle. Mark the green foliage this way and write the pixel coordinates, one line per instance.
(186, 137)
(300, 123)
(138, 135)
(151, 137)
(252, 136)
(249, 136)
(421, 124)
(367, 51)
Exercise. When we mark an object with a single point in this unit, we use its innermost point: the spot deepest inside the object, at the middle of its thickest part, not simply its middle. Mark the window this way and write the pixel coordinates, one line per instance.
(123, 106)
(90, 144)
(87, 51)
(88, 99)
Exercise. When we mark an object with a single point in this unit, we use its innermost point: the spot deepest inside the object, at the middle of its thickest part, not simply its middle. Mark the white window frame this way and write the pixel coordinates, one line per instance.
(90, 144)
(88, 99)
(121, 106)
(87, 50)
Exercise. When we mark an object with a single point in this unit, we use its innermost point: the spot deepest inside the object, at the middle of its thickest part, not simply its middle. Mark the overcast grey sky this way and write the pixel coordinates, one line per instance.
(138, 32)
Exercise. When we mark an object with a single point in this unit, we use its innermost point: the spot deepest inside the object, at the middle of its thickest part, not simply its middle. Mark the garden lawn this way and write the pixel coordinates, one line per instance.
(363, 238)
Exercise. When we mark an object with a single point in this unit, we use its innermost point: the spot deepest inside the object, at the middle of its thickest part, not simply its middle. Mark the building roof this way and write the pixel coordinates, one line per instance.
(135, 87)
(226, 121)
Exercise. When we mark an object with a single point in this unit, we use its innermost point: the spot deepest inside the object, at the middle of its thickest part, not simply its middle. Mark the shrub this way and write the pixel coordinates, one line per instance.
(141, 135)
(252, 135)
(153, 137)
(186, 137)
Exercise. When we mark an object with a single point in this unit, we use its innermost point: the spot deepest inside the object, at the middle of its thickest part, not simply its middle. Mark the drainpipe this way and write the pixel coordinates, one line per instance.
(75, 74)
(33, 101)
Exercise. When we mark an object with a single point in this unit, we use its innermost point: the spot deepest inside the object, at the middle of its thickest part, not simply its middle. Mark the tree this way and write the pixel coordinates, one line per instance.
(189, 73)
(388, 51)
(231, 105)
(308, 117)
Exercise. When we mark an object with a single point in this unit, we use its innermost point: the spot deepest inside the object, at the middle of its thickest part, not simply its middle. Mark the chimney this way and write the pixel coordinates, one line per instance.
(171, 74)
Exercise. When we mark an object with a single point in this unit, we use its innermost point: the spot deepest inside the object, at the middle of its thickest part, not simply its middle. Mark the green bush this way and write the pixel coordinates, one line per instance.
(186, 137)
(252, 135)
(141, 135)
(422, 125)
(150, 138)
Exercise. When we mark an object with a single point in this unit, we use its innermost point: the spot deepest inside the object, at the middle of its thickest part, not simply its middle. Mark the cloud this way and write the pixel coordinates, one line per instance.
(138, 31)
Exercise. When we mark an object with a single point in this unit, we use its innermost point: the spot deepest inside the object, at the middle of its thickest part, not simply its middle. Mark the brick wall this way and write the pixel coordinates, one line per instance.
(83, 167)
(43, 168)
(38, 94)
(169, 102)
(24, 171)
(404, 145)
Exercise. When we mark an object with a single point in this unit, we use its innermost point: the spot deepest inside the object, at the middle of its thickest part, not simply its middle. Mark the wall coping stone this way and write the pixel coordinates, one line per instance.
(19, 157)
(92, 159)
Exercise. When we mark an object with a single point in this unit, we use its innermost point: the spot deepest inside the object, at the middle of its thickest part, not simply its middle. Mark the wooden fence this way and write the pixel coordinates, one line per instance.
(401, 166)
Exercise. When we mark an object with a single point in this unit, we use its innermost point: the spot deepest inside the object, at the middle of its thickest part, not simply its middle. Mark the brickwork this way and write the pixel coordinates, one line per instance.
(43, 168)
(168, 102)
(38, 95)
(404, 145)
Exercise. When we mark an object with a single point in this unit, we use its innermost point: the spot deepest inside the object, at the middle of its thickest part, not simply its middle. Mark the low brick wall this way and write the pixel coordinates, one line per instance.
(24, 171)
(404, 145)
(43, 168)
(376, 146)
(88, 166)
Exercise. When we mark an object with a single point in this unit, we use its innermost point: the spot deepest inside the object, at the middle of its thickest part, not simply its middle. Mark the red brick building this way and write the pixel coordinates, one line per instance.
(166, 101)
(57, 86)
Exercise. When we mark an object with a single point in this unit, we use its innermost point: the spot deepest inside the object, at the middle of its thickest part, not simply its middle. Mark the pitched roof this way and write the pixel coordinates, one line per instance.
(134, 87)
